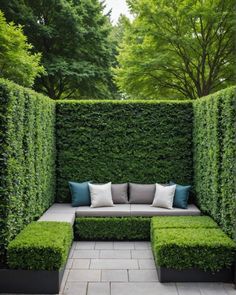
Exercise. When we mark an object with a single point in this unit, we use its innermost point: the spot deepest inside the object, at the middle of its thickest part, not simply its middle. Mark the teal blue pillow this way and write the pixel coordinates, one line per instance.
(80, 194)
(181, 195)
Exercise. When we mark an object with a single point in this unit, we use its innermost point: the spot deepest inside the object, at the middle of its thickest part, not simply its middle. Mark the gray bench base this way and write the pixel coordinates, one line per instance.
(30, 281)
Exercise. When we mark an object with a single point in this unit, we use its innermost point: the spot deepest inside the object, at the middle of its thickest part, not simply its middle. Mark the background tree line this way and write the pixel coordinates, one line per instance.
(68, 49)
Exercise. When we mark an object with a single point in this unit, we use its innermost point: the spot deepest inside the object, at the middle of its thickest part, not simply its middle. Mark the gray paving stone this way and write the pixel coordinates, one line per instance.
(104, 245)
(86, 254)
(146, 264)
(71, 252)
(142, 245)
(123, 245)
(212, 289)
(147, 275)
(114, 275)
(98, 289)
(114, 264)
(84, 245)
(143, 288)
(64, 280)
(188, 289)
(80, 264)
(142, 254)
(69, 263)
(115, 254)
(75, 288)
(84, 275)
(230, 289)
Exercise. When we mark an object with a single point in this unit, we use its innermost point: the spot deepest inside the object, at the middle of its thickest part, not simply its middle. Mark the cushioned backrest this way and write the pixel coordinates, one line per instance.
(120, 193)
(141, 193)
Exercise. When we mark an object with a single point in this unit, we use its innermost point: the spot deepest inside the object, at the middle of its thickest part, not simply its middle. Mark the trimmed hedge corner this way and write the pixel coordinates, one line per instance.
(112, 228)
(202, 248)
(41, 246)
(27, 158)
(183, 222)
(214, 139)
(123, 141)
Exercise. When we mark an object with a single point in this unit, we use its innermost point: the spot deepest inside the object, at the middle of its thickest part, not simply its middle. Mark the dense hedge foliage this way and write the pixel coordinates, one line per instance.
(123, 141)
(214, 157)
(112, 228)
(202, 248)
(41, 246)
(27, 158)
(183, 222)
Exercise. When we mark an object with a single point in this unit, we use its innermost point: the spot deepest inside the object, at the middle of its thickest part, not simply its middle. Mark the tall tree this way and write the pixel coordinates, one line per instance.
(178, 48)
(17, 63)
(73, 38)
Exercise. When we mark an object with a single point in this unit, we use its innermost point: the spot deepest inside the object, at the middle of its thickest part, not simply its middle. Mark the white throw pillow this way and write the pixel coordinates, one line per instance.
(164, 196)
(100, 195)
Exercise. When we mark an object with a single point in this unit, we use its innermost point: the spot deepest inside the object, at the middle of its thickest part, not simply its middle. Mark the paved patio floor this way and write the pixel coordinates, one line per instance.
(124, 268)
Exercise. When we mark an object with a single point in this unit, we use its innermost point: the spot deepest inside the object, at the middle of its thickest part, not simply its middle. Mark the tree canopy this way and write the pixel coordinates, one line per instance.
(177, 49)
(73, 37)
(17, 63)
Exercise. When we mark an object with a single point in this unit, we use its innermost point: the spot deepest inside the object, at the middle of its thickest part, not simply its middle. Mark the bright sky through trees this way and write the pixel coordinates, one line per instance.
(118, 7)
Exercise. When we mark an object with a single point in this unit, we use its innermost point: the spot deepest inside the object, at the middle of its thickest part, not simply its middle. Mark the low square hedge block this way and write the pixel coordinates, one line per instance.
(183, 222)
(41, 246)
(112, 228)
(207, 249)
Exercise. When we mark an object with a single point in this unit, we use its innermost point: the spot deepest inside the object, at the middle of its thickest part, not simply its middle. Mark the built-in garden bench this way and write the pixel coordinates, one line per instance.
(67, 213)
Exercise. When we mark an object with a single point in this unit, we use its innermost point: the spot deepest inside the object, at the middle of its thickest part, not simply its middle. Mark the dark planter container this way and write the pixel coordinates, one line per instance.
(194, 275)
(30, 281)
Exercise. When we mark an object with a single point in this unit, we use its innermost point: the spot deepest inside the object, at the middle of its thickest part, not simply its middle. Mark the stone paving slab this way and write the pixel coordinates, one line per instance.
(88, 272)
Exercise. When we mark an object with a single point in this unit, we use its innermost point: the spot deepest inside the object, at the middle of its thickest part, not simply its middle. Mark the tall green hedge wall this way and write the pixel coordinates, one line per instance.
(27, 158)
(122, 141)
(215, 157)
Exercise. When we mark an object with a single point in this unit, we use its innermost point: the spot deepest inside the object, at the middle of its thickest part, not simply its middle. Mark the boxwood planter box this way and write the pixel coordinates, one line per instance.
(194, 275)
(30, 281)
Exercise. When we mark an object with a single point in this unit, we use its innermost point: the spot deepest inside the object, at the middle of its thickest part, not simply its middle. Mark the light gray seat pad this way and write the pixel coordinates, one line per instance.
(147, 210)
(118, 210)
(134, 210)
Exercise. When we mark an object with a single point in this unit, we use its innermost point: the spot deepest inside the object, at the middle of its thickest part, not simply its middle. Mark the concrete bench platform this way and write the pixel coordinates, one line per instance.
(60, 213)
(67, 213)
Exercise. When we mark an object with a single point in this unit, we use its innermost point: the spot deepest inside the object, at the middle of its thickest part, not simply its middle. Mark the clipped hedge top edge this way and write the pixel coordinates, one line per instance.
(6, 82)
(108, 101)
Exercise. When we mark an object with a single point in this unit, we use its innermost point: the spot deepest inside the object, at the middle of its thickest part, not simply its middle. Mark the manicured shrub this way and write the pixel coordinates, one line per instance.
(27, 158)
(112, 228)
(202, 248)
(214, 157)
(123, 141)
(183, 222)
(41, 246)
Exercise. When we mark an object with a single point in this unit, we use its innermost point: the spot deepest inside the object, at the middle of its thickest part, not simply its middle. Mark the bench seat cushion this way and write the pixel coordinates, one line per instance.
(118, 210)
(147, 210)
(135, 210)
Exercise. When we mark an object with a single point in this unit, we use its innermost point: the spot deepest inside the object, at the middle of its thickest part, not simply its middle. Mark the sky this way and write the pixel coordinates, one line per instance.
(118, 7)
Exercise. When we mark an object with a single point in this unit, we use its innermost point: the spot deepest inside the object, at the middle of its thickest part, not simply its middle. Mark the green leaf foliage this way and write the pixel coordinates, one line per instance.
(126, 141)
(203, 248)
(17, 62)
(214, 157)
(112, 228)
(27, 158)
(177, 49)
(41, 246)
(73, 37)
(183, 222)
